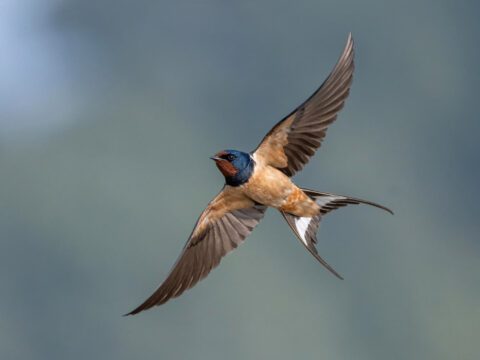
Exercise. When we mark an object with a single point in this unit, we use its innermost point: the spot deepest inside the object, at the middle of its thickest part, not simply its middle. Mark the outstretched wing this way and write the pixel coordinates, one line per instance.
(291, 142)
(224, 224)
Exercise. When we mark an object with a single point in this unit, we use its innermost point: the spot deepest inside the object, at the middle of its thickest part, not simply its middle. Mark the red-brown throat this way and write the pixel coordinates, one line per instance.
(225, 166)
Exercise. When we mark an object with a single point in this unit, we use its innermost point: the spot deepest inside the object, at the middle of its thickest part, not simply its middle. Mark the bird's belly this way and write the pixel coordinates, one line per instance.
(268, 186)
(271, 187)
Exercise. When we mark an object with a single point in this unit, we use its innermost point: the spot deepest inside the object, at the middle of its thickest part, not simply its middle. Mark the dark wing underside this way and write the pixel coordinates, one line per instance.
(291, 142)
(214, 236)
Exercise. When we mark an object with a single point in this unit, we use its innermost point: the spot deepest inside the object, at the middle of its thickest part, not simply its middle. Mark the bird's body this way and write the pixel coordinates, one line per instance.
(271, 187)
(261, 179)
(267, 186)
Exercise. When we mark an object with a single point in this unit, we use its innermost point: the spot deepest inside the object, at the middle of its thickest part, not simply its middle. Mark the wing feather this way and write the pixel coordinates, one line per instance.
(289, 145)
(222, 227)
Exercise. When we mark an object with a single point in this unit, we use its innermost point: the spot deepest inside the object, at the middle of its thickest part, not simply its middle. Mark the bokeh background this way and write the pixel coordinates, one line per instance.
(108, 112)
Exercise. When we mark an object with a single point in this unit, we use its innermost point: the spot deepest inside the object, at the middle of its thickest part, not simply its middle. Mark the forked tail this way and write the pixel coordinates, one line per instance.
(305, 228)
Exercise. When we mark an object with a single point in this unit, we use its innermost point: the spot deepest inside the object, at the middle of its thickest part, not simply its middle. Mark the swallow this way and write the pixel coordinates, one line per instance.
(261, 179)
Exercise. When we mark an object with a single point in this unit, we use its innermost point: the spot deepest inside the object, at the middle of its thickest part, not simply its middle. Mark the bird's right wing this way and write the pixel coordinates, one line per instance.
(224, 224)
(289, 145)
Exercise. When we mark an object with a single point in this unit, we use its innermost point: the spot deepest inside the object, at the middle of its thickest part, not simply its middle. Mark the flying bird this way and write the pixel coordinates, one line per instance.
(261, 179)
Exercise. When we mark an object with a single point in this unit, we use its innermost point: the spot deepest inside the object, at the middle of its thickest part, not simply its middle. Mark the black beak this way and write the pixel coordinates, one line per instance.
(216, 158)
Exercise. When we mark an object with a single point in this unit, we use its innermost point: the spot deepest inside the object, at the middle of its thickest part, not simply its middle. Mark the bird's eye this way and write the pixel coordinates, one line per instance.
(230, 157)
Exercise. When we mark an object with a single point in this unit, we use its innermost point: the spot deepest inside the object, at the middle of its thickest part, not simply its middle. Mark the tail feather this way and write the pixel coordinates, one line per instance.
(308, 237)
(329, 202)
(305, 228)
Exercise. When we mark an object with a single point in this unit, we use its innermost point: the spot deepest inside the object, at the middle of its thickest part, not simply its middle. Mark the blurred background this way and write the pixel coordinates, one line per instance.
(109, 111)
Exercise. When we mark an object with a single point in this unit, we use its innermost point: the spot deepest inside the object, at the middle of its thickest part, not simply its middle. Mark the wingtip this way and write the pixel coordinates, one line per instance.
(134, 311)
(349, 49)
(129, 314)
(350, 38)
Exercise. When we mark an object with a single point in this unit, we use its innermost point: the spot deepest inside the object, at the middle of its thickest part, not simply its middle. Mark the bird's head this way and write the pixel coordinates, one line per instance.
(235, 165)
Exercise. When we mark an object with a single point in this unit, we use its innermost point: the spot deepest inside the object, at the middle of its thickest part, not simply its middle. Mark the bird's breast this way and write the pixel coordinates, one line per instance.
(269, 186)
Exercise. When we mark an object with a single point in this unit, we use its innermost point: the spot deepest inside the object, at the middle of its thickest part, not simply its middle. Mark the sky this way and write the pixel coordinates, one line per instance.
(109, 111)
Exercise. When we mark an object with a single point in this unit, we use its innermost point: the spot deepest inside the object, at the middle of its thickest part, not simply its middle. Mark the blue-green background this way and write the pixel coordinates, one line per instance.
(109, 111)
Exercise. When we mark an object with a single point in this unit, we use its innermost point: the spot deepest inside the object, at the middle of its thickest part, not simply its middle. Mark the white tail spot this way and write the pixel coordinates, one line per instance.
(301, 223)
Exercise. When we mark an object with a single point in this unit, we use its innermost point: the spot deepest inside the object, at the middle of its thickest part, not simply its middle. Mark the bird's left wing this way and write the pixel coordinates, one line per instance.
(290, 143)
(224, 224)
